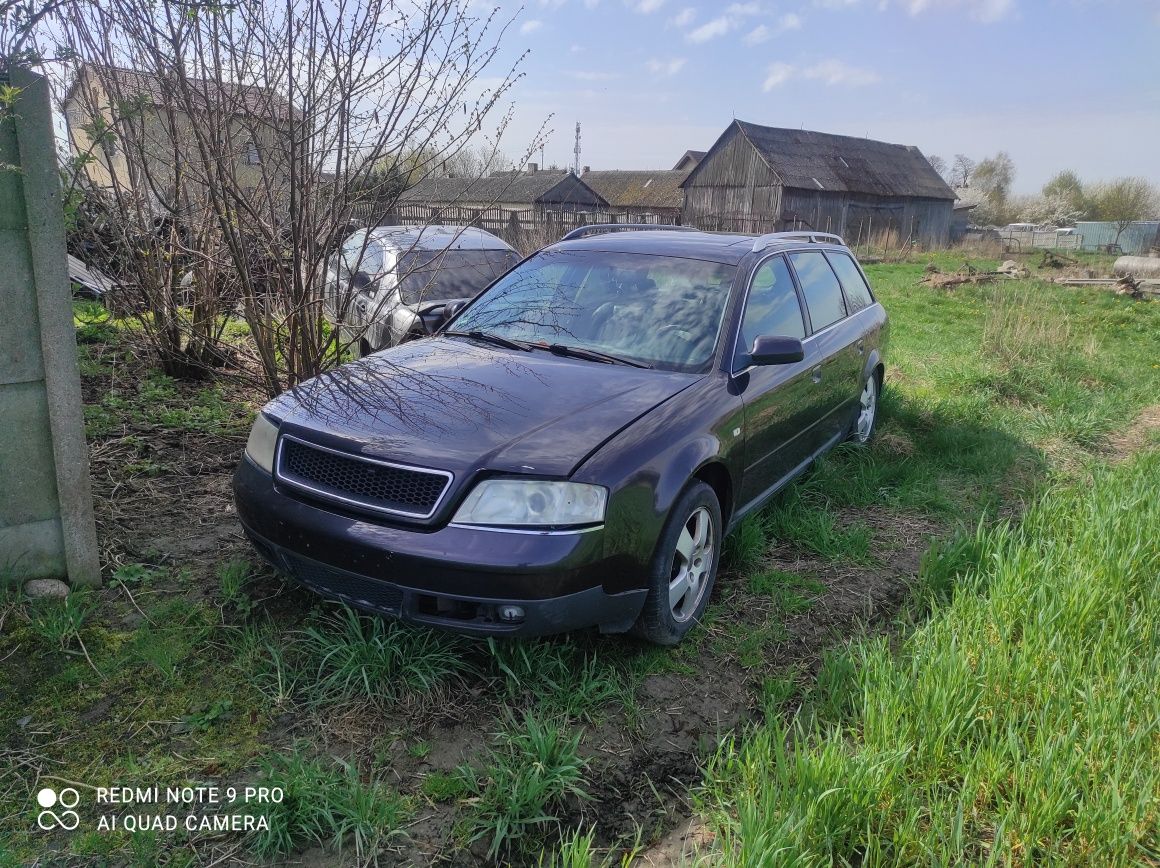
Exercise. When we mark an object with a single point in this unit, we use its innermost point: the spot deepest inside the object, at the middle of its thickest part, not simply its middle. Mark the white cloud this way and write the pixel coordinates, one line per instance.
(839, 72)
(777, 75)
(591, 4)
(834, 73)
(646, 7)
(722, 24)
(665, 68)
(710, 30)
(983, 11)
(757, 35)
(684, 18)
(789, 21)
(531, 26)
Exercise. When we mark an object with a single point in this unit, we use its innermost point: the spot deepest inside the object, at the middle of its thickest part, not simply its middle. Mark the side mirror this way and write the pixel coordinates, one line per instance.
(776, 350)
(450, 309)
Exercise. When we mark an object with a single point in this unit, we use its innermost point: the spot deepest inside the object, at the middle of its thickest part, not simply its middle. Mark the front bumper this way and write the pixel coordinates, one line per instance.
(456, 578)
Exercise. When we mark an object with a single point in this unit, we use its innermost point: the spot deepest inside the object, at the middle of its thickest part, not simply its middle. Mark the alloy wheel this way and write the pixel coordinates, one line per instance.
(691, 564)
(868, 407)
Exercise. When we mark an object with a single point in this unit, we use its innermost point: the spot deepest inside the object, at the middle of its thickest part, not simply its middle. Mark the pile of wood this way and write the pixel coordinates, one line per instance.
(967, 273)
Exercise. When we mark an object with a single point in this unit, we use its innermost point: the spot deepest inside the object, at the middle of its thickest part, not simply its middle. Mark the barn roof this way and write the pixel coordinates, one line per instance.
(543, 187)
(136, 84)
(689, 159)
(639, 189)
(809, 160)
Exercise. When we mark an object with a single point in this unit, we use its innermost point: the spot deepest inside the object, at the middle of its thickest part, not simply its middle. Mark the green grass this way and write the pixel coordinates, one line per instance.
(325, 802)
(532, 768)
(561, 676)
(1017, 726)
(354, 657)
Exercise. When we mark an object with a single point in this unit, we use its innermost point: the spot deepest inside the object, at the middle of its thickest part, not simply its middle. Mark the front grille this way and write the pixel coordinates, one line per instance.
(378, 485)
(347, 587)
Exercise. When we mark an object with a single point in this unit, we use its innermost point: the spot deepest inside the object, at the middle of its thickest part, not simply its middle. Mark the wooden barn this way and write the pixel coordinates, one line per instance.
(650, 196)
(765, 179)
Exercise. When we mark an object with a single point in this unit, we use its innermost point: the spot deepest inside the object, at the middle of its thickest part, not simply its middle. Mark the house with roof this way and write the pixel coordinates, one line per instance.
(135, 132)
(530, 189)
(645, 196)
(763, 179)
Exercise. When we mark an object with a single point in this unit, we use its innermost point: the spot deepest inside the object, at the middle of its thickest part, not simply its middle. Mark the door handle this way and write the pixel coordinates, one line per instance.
(816, 374)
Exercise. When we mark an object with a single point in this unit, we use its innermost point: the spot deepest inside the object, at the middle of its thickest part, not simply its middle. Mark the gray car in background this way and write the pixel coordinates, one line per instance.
(389, 284)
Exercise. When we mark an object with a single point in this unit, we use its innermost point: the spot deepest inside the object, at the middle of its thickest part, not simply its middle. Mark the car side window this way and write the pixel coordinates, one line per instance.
(772, 307)
(857, 292)
(361, 254)
(820, 287)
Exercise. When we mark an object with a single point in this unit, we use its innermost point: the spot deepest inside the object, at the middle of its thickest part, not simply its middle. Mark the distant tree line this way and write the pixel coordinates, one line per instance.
(1063, 200)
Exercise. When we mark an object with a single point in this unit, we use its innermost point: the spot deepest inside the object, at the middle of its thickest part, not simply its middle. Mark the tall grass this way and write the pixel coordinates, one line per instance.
(1018, 726)
(525, 779)
(356, 657)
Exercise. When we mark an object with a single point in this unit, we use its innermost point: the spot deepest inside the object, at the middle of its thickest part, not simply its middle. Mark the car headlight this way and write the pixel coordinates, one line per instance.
(513, 502)
(260, 446)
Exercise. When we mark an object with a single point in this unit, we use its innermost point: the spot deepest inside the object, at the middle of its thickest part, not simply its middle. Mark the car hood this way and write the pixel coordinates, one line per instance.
(458, 405)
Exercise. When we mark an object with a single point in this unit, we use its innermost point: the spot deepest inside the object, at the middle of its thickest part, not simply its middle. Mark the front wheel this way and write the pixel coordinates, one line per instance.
(867, 418)
(684, 567)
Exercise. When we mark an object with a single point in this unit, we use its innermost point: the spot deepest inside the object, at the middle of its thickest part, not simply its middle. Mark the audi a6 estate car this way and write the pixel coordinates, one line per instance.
(570, 449)
(393, 283)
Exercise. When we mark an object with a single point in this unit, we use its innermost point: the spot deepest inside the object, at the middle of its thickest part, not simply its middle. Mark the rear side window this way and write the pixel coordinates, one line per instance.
(772, 307)
(820, 287)
(857, 292)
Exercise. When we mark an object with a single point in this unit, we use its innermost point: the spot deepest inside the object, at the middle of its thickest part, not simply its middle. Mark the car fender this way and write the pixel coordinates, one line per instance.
(654, 460)
(873, 360)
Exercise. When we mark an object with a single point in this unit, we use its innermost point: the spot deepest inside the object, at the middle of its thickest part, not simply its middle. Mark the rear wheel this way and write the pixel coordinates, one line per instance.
(867, 419)
(684, 567)
(364, 347)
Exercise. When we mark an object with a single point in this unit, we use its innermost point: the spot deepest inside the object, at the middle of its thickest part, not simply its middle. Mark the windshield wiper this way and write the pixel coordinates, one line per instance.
(498, 340)
(590, 355)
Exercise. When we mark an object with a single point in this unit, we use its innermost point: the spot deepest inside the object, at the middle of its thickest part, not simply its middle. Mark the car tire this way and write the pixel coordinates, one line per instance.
(866, 418)
(364, 348)
(686, 558)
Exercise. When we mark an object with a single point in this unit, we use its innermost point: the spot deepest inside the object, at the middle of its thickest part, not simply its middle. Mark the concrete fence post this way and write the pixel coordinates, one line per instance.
(46, 505)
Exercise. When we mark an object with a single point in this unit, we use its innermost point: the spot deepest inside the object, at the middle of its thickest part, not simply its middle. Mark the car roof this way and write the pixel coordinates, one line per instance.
(724, 247)
(438, 238)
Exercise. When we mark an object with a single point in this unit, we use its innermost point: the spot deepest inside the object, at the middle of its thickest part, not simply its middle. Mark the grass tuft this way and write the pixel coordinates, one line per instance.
(325, 803)
(527, 775)
(357, 657)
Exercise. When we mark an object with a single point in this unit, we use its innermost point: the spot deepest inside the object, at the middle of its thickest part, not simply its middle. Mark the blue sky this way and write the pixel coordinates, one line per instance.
(1056, 83)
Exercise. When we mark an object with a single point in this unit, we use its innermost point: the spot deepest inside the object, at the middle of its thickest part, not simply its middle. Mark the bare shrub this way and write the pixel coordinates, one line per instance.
(222, 148)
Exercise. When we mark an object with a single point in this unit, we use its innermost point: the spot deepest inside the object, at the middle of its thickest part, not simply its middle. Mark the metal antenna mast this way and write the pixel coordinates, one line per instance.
(576, 152)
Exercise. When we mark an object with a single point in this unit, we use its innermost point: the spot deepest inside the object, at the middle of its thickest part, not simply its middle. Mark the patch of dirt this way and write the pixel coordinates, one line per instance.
(179, 515)
(1136, 436)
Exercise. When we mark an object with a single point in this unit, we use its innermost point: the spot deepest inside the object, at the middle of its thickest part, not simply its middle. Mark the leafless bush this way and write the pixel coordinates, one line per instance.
(222, 147)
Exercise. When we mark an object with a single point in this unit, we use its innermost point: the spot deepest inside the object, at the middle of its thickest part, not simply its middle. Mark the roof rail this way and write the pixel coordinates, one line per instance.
(812, 237)
(581, 231)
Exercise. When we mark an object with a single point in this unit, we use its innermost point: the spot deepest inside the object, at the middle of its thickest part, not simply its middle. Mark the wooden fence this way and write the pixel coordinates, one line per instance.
(525, 229)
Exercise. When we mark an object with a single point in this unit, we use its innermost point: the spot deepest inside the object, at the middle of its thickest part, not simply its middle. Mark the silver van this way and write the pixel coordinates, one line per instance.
(390, 283)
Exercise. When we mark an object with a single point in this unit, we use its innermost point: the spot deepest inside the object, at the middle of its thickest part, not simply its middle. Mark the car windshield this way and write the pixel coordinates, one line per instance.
(662, 311)
(440, 275)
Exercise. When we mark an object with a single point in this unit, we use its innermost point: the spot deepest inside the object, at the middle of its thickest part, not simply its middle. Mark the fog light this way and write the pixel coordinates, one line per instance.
(511, 614)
